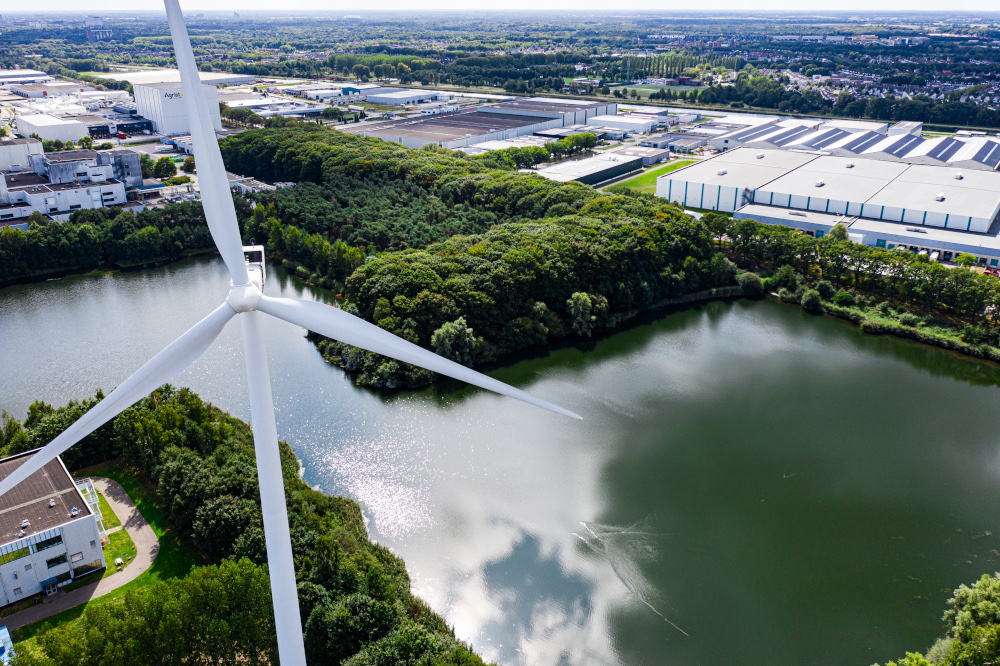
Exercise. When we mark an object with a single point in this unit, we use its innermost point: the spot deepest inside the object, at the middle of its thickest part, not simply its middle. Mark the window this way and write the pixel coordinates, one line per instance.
(15, 575)
(27, 567)
(6, 216)
(93, 544)
(819, 234)
(76, 557)
(880, 242)
(48, 543)
(994, 262)
(56, 561)
(17, 591)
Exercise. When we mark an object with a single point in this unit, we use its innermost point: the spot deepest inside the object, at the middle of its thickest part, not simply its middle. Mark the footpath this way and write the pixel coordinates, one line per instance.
(146, 549)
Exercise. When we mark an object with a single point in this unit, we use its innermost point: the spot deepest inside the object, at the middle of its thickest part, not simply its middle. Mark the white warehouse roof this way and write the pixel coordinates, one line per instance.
(742, 168)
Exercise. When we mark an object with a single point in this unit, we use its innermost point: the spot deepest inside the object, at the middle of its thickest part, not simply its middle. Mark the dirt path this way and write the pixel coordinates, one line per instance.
(146, 549)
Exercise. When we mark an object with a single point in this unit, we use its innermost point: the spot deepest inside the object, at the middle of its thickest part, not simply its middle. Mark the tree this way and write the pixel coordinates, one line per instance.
(966, 259)
(456, 341)
(811, 301)
(579, 306)
(751, 284)
(86, 143)
(188, 166)
(361, 72)
(164, 168)
(839, 232)
(147, 164)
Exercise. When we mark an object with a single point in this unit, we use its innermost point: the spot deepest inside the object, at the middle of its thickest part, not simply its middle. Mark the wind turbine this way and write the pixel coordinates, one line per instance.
(247, 300)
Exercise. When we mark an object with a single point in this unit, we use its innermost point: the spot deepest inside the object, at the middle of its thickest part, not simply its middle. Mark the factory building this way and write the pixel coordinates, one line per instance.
(591, 170)
(50, 531)
(454, 130)
(18, 152)
(163, 105)
(50, 128)
(884, 203)
(12, 76)
(53, 89)
(566, 111)
(678, 142)
(149, 77)
(631, 123)
(71, 166)
(402, 97)
(647, 154)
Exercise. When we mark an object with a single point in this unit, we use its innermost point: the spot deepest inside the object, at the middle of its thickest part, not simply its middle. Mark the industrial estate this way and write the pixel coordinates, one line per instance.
(669, 222)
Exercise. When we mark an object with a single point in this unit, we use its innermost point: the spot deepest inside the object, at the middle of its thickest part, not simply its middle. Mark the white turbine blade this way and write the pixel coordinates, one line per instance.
(213, 182)
(281, 568)
(339, 325)
(178, 355)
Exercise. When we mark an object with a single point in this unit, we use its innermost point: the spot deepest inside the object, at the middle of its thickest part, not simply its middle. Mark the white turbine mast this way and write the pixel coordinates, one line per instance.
(246, 299)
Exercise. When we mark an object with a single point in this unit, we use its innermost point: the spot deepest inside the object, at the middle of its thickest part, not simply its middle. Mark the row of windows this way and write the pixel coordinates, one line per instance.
(56, 561)
(48, 543)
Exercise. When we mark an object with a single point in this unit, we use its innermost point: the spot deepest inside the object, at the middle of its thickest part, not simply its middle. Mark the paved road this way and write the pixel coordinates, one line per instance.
(146, 549)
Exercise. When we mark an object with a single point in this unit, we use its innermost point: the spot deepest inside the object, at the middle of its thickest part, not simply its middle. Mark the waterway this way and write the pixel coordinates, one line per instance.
(751, 484)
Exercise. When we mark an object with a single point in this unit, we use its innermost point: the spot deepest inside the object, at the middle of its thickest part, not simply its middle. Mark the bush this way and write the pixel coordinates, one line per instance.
(825, 289)
(844, 298)
(786, 278)
(752, 285)
(788, 296)
(885, 309)
(811, 301)
(909, 319)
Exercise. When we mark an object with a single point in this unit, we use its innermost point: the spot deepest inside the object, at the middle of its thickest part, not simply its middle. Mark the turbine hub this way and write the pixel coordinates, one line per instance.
(244, 297)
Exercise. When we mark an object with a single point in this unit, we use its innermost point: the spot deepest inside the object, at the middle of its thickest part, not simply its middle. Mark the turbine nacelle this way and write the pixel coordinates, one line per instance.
(244, 297)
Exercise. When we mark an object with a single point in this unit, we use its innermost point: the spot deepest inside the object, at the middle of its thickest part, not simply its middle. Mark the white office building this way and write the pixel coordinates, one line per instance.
(163, 104)
(50, 533)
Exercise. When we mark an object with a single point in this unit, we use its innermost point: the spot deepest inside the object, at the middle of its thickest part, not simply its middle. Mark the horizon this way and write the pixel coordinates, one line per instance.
(983, 8)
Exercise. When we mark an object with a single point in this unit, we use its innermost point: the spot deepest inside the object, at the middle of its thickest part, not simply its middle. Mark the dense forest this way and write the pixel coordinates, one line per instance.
(355, 598)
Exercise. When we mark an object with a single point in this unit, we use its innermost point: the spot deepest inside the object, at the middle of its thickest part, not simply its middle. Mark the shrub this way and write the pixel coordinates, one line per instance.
(909, 319)
(885, 309)
(786, 278)
(752, 285)
(825, 289)
(811, 301)
(844, 298)
(788, 296)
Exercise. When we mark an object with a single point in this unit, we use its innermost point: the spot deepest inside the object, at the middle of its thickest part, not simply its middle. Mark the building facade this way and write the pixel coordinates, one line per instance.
(50, 533)
(163, 104)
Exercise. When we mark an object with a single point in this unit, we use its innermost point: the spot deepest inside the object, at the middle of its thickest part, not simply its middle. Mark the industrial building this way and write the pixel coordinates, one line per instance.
(266, 105)
(884, 203)
(163, 104)
(18, 152)
(402, 97)
(63, 182)
(520, 117)
(11, 76)
(50, 128)
(148, 77)
(50, 531)
(631, 123)
(648, 155)
(901, 142)
(52, 89)
(592, 170)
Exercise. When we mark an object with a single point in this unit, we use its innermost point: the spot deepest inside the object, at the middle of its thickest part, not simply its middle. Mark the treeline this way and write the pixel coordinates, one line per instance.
(98, 236)
(357, 608)
(896, 275)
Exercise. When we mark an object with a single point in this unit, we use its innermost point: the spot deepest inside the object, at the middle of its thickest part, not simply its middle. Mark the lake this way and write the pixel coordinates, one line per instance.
(751, 484)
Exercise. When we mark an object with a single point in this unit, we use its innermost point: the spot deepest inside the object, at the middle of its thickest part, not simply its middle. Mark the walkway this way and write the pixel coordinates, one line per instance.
(146, 549)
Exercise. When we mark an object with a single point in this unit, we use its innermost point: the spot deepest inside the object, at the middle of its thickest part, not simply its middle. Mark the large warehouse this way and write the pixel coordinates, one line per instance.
(147, 77)
(497, 122)
(592, 170)
(51, 128)
(873, 196)
(163, 104)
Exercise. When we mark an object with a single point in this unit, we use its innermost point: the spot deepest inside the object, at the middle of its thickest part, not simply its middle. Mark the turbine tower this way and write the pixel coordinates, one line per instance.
(246, 299)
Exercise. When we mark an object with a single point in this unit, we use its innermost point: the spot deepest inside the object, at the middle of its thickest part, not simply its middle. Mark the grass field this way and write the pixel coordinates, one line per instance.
(646, 183)
(644, 89)
(108, 516)
(174, 560)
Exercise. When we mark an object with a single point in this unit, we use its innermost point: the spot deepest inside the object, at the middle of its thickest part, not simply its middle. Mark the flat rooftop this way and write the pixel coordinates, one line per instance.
(793, 217)
(743, 168)
(856, 183)
(638, 151)
(30, 499)
(171, 75)
(547, 105)
(567, 171)
(928, 235)
(14, 142)
(71, 156)
(856, 125)
(977, 194)
(45, 120)
(446, 126)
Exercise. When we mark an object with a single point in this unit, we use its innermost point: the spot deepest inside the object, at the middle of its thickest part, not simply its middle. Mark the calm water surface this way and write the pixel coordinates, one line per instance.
(751, 484)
